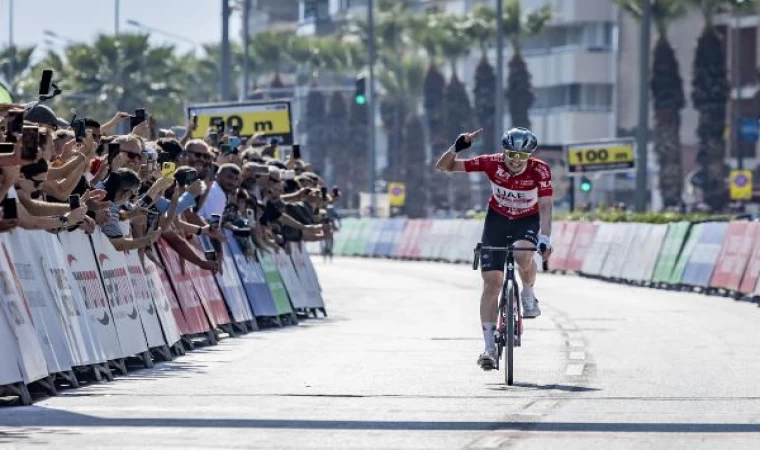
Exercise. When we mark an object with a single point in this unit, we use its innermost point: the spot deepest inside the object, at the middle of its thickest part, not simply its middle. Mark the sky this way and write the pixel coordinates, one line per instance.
(82, 20)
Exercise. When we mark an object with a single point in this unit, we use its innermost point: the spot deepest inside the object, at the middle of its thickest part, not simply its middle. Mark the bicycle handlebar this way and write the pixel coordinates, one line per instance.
(478, 248)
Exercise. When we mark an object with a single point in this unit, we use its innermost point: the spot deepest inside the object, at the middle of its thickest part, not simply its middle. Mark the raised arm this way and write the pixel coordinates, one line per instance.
(448, 162)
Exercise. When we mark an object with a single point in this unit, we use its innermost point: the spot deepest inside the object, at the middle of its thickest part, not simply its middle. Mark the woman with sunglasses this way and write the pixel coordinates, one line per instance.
(520, 206)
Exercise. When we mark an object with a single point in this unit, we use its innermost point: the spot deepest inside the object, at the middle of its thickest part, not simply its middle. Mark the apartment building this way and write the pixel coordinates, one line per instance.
(278, 15)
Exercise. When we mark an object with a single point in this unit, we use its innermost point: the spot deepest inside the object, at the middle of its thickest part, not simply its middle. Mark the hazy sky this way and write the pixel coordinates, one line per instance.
(82, 20)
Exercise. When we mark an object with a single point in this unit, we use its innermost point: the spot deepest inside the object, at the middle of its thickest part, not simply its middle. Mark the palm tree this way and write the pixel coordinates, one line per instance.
(517, 27)
(204, 71)
(480, 28)
(270, 49)
(668, 96)
(709, 94)
(15, 62)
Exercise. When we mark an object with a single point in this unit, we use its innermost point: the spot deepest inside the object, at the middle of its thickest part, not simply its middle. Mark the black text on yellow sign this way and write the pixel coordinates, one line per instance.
(272, 120)
(601, 158)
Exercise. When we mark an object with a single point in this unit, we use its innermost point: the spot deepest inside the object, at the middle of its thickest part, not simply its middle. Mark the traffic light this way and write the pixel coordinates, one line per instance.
(586, 185)
(360, 93)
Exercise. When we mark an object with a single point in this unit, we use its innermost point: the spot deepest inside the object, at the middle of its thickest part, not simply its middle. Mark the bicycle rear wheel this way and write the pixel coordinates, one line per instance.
(509, 354)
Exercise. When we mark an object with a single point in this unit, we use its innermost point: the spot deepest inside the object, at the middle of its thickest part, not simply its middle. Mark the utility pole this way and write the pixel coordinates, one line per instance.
(643, 127)
(246, 44)
(116, 18)
(735, 102)
(499, 120)
(224, 88)
(371, 101)
(10, 44)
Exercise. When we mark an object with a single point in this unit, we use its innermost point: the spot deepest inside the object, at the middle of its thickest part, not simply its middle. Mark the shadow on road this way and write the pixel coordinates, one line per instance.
(541, 387)
(42, 417)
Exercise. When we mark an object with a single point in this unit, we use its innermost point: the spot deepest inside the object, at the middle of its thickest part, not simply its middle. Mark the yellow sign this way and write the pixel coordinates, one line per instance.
(741, 185)
(610, 156)
(269, 118)
(397, 193)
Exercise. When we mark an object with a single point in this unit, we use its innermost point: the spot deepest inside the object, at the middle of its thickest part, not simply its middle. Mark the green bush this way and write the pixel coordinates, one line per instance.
(611, 215)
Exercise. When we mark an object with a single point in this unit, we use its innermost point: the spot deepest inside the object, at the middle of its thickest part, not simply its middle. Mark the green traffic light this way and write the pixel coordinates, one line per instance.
(361, 100)
(586, 185)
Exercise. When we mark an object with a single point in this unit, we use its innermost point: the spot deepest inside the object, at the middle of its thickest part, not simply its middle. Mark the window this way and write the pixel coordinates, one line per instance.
(592, 36)
(576, 97)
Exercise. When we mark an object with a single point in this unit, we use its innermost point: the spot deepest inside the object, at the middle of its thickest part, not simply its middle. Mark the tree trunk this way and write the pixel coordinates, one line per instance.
(519, 92)
(668, 149)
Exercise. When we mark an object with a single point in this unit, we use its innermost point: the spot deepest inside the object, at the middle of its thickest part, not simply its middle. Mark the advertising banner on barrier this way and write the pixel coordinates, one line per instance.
(163, 303)
(373, 237)
(27, 348)
(46, 317)
(85, 348)
(734, 256)
(302, 270)
(752, 274)
(84, 269)
(115, 276)
(700, 267)
(232, 288)
(296, 292)
(276, 287)
(176, 307)
(633, 251)
(584, 237)
(144, 300)
(407, 238)
(10, 367)
(254, 284)
(618, 249)
(562, 244)
(594, 262)
(669, 251)
(193, 311)
(209, 294)
(683, 257)
(647, 245)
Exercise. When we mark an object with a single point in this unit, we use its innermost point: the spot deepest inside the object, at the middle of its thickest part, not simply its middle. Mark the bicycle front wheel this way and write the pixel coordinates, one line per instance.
(509, 354)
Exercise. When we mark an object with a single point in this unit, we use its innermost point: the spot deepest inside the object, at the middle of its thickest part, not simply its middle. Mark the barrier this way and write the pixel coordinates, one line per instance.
(734, 256)
(646, 249)
(293, 286)
(144, 300)
(43, 311)
(307, 277)
(184, 291)
(252, 276)
(408, 237)
(751, 280)
(231, 287)
(162, 300)
(669, 252)
(699, 269)
(562, 244)
(27, 352)
(597, 253)
(683, 258)
(584, 239)
(118, 289)
(274, 282)
(618, 250)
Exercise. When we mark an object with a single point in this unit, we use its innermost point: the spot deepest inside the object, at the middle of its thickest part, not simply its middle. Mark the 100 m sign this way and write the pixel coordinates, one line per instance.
(611, 156)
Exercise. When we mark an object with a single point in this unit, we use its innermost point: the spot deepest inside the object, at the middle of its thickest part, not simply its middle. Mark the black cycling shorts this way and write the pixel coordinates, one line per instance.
(500, 231)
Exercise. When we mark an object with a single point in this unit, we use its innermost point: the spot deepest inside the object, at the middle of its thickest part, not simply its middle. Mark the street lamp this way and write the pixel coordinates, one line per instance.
(55, 35)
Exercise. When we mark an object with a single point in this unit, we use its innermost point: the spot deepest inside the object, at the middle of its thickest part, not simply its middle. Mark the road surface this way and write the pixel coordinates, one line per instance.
(606, 366)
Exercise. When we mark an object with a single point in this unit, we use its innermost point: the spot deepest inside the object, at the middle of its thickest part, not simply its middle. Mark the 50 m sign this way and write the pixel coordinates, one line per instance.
(602, 156)
(272, 119)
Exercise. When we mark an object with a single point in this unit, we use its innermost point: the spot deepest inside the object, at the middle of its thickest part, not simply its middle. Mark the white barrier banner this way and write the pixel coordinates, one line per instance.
(310, 267)
(29, 352)
(310, 284)
(10, 368)
(597, 253)
(162, 303)
(85, 347)
(146, 307)
(619, 249)
(113, 272)
(48, 319)
(84, 270)
(649, 245)
(297, 294)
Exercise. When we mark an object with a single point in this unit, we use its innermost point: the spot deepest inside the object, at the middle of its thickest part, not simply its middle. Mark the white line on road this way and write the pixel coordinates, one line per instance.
(576, 356)
(574, 370)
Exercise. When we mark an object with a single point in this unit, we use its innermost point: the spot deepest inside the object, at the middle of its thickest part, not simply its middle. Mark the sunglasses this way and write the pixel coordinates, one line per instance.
(131, 155)
(519, 156)
(201, 155)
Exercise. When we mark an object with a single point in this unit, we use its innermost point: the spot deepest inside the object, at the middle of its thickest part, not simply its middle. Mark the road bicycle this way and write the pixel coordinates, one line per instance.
(509, 325)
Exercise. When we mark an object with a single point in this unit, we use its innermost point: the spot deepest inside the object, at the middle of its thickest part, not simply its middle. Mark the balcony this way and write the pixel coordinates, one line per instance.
(567, 11)
(566, 65)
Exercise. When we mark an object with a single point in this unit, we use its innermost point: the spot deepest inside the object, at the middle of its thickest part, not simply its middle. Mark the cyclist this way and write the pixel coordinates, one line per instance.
(521, 207)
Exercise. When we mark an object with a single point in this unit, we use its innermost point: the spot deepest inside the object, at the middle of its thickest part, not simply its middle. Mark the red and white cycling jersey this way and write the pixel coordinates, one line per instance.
(514, 196)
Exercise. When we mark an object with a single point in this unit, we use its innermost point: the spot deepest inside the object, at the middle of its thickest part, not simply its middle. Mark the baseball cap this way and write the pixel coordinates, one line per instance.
(44, 115)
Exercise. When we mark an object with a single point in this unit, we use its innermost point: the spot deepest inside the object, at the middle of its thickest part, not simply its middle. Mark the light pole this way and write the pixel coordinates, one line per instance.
(224, 84)
(55, 35)
(735, 117)
(116, 8)
(499, 90)
(643, 127)
(371, 101)
(246, 44)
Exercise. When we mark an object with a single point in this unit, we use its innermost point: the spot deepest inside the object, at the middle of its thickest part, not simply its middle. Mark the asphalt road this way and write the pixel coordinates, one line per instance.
(605, 366)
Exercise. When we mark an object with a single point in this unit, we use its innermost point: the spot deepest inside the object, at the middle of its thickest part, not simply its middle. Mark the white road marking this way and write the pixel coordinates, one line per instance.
(574, 370)
(577, 356)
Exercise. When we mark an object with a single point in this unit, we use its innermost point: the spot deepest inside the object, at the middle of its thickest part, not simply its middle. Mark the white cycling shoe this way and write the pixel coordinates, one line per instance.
(487, 360)
(530, 307)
